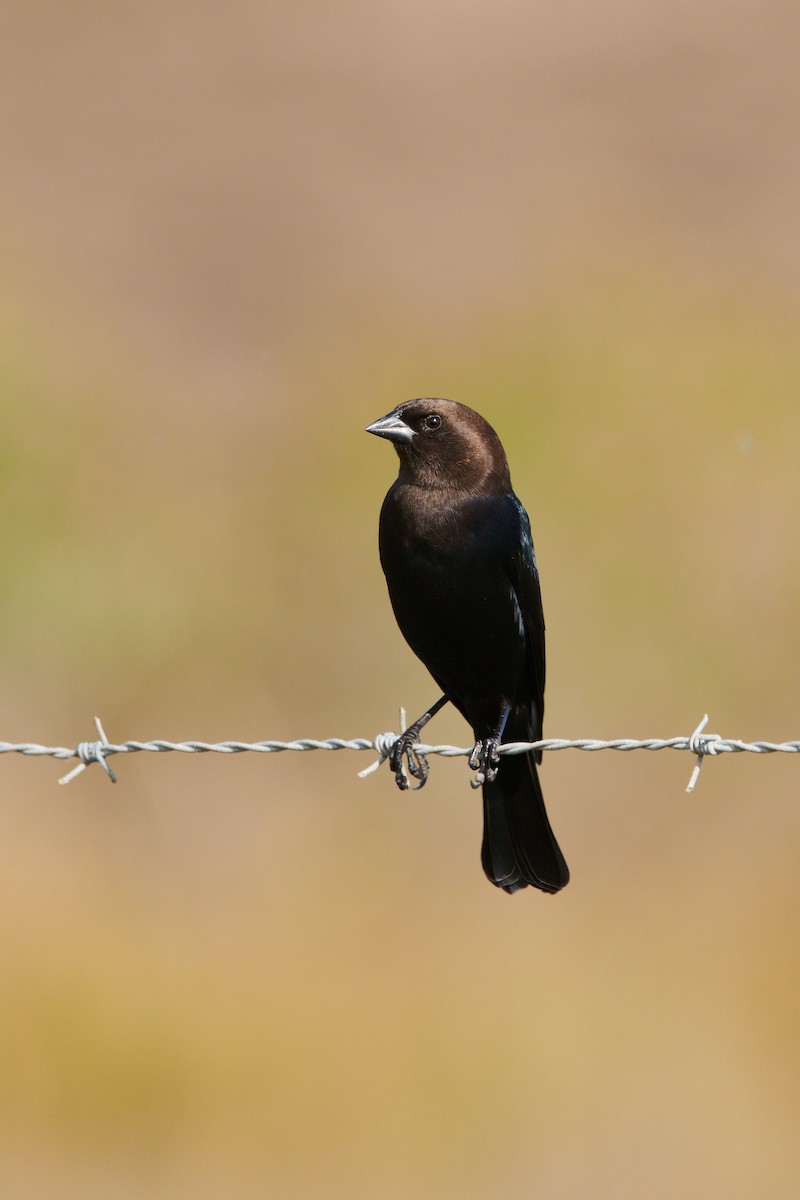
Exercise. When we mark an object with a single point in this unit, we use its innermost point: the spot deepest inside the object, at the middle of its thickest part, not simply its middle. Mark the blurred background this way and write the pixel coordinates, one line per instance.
(230, 238)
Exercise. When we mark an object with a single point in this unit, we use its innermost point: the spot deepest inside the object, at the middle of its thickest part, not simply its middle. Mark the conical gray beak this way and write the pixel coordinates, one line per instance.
(391, 427)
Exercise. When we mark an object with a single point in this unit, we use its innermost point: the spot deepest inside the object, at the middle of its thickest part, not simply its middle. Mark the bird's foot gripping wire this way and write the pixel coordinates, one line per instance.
(405, 760)
(485, 760)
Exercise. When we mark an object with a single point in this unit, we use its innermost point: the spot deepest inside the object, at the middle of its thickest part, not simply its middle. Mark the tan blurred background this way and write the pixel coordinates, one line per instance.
(231, 236)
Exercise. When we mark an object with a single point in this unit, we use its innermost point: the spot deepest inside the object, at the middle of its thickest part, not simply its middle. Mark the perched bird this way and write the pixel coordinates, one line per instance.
(457, 552)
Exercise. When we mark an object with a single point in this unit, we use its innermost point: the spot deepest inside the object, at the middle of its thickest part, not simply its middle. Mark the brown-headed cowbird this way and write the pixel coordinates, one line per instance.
(457, 552)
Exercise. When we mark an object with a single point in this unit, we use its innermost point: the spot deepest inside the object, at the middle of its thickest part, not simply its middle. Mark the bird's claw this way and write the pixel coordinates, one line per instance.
(485, 759)
(405, 760)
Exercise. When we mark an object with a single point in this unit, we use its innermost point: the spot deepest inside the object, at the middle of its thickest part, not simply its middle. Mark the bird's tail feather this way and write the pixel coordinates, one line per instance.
(519, 847)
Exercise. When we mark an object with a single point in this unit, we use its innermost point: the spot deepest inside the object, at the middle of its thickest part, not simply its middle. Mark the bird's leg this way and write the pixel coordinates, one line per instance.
(485, 758)
(417, 764)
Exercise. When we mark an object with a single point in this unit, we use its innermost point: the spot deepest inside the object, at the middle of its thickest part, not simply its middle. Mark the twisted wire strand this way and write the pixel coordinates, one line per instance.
(698, 743)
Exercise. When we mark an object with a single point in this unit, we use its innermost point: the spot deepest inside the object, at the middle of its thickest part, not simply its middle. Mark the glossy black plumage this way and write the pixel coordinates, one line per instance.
(457, 552)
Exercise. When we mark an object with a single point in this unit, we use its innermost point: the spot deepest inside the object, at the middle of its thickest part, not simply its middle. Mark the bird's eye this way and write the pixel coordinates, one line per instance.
(432, 421)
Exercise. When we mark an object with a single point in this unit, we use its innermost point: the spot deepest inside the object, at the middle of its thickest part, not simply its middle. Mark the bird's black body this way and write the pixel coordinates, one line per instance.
(457, 552)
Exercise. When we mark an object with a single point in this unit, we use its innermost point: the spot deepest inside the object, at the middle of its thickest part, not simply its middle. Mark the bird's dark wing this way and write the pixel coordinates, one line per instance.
(524, 576)
(519, 847)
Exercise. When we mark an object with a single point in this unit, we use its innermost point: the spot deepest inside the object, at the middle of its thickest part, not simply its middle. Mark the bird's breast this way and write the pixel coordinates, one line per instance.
(451, 594)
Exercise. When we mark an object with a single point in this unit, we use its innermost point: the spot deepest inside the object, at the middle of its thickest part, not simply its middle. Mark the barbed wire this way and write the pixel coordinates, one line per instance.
(700, 744)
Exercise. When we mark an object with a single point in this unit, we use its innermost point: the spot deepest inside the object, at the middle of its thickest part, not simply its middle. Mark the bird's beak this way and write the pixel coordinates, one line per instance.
(391, 427)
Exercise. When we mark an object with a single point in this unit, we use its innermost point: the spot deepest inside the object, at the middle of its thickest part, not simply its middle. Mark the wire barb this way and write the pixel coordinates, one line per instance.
(89, 752)
(700, 745)
(383, 747)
